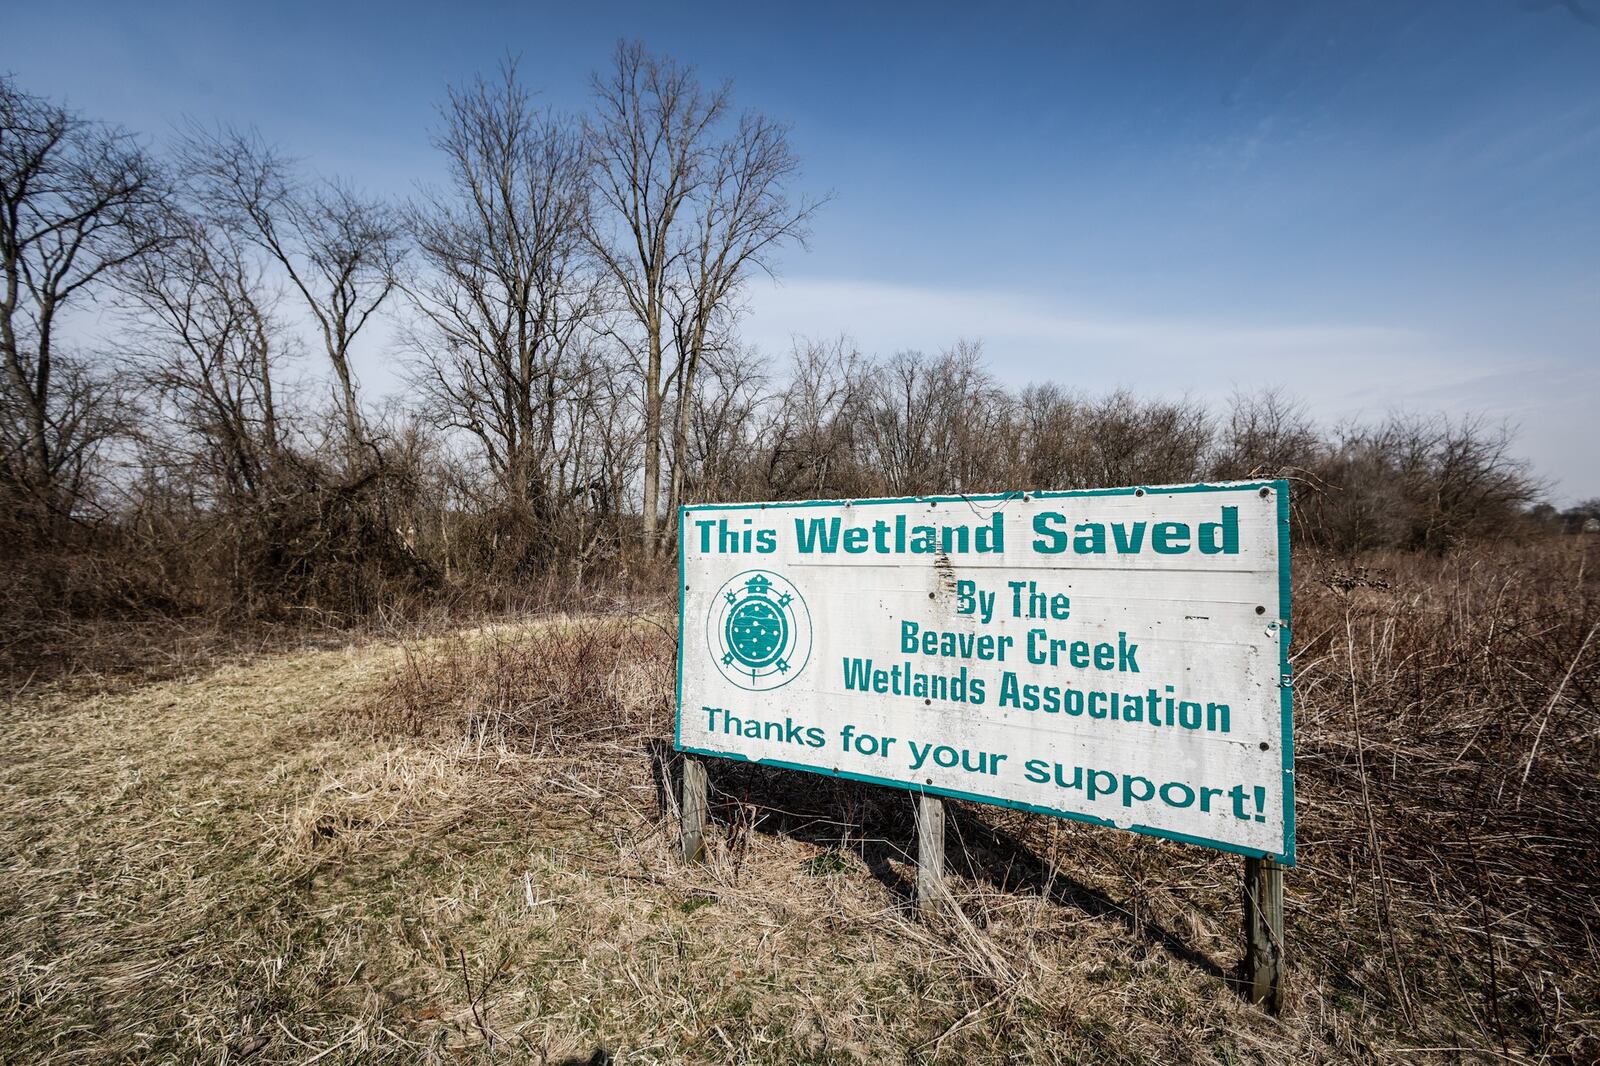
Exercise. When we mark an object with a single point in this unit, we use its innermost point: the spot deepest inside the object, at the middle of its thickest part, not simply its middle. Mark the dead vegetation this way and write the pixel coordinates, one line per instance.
(461, 849)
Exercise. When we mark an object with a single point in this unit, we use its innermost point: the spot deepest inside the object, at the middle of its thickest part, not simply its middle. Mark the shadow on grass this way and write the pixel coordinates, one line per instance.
(876, 824)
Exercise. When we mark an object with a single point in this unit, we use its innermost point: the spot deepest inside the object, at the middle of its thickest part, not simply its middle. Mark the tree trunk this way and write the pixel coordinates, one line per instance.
(652, 438)
(352, 413)
(680, 436)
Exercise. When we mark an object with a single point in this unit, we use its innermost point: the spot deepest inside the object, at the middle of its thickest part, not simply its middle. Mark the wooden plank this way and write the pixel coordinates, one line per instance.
(930, 852)
(692, 809)
(1263, 933)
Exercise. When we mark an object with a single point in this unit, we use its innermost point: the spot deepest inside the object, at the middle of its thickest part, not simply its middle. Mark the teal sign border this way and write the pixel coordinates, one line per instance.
(1285, 687)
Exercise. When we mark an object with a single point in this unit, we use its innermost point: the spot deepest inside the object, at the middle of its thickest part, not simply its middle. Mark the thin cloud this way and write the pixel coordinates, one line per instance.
(1026, 333)
(1342, 371)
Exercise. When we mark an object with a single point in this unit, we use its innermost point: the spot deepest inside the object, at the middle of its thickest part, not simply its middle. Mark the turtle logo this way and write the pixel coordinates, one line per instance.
(759, 630)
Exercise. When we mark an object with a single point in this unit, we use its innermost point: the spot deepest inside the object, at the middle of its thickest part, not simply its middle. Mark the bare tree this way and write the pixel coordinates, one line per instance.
(208, 343)
(689, 211)
(650, 142)
(742, 214)
(506, 292)
(339, 249)
(1267, 434)
(1120, 439)
(935, 423)
(813, 440)
(78, 203)
(1422, 482)
(727, 425)
(1045, 414)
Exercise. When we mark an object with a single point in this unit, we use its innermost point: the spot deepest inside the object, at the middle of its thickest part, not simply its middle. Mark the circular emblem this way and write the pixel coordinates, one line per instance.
(759, 630)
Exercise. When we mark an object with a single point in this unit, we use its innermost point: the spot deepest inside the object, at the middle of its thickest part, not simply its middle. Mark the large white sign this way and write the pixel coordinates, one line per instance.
(1117, 656)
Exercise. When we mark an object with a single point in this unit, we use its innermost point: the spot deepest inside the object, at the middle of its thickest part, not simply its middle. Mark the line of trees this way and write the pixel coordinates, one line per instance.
(839, 424)
(566, 306)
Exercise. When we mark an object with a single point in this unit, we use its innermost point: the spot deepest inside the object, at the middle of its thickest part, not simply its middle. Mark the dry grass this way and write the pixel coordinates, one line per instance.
(1449, 759)
(456, 850)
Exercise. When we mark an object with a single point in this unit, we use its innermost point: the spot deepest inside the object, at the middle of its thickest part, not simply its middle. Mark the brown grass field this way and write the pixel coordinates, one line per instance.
(460, 848)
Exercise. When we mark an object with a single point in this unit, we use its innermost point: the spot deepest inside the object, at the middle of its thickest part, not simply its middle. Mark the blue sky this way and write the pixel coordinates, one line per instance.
(1376, 205)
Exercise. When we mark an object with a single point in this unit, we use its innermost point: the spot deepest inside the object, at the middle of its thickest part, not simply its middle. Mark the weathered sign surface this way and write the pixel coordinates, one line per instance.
(1117, 656)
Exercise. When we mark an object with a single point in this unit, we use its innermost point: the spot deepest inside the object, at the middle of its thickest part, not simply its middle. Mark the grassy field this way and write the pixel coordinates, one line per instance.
(459, 848)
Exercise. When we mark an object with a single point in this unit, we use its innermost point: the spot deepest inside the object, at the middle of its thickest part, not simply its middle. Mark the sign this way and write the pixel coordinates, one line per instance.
(1114, 656)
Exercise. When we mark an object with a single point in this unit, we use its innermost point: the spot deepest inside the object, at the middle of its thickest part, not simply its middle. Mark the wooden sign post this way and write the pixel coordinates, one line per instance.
(1263, 933)
(692, 809)
(930, 852)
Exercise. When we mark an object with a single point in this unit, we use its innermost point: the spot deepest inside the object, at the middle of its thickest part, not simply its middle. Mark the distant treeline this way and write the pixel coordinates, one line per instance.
(566, 309)
(839, 424)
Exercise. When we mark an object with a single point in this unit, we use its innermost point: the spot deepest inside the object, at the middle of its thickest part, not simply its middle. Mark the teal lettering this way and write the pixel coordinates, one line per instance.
(1170, 538)
(1090, 539)
(1050, 541)
(991, 539)
(1221, 538)
(817, 535)
(1129, 541)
